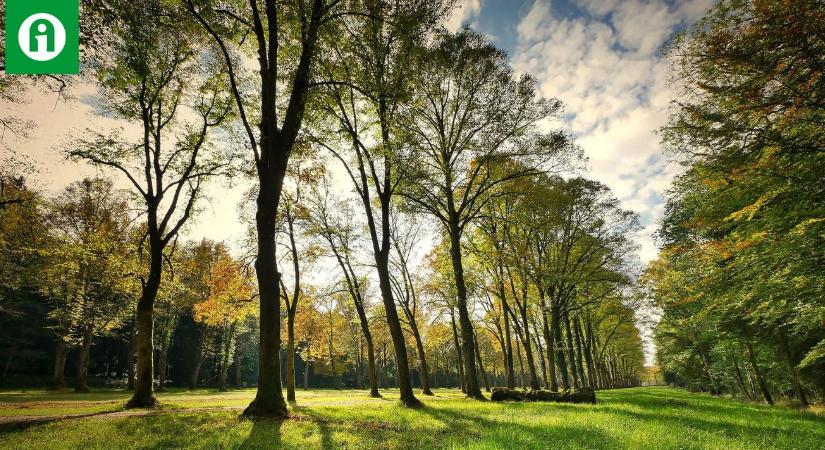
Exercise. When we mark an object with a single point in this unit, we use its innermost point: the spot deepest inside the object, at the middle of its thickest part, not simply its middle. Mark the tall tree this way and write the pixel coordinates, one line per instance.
(364, 106)
(153, 77)
(287, 42)
(471, 114)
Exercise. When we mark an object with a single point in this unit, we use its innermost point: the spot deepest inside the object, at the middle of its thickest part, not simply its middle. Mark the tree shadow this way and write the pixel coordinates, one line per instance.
(507, 434)
(265, 433)
(320, 422)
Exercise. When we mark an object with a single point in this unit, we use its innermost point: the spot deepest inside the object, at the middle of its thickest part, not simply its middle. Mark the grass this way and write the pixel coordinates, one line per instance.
(628, 418)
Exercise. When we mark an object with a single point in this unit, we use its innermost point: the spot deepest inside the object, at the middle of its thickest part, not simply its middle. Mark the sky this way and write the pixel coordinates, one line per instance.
(600, 57)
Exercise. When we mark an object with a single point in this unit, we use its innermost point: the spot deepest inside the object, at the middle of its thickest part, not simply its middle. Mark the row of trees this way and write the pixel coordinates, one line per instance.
(83, 262)
(424, 123)
(740, 277)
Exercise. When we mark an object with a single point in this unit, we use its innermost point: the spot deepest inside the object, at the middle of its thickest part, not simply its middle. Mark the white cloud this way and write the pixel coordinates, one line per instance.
(605, 67)
(464, 12)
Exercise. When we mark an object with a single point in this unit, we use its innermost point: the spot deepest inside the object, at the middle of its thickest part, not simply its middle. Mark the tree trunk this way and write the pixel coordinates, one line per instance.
(198, 353)
(550, 342)
(528, 349)
(589, 340)
(371, 370)
(586, 353)
(290, 355)
(561, 364)
(237, 364)
(131, 356)
(226, 355)
(540, 352)
(763, 386)
(467, 341)
(481, 367)
(521, 381)
(143, 396)
(509, 370)
(393, 322)
(422, 358)
(163, 362)
(578, 354)
(570, 351)
(458, 355)
(60, 351)
(740, 379)
(82, 381)
(306, 374)
(269, 398)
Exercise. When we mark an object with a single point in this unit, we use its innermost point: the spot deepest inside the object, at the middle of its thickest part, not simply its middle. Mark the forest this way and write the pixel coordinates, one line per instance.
(418, 223)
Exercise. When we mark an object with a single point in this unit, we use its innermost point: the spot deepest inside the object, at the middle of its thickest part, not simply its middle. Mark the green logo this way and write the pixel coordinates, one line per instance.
(42, 37)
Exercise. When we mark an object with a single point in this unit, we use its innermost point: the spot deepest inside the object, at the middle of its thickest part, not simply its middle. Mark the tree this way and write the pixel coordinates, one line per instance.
(90, 268)
(288, 40)
(305, 170)
(470, 115)
(229, 304)
(382, 41)
(154, 76)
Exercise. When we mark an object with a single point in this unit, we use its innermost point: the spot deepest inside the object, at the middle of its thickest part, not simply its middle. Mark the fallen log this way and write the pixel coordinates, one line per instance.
(581, 396)
(501, 394)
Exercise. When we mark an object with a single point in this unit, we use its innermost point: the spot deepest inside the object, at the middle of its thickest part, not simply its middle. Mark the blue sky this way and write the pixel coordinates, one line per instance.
(602, 59)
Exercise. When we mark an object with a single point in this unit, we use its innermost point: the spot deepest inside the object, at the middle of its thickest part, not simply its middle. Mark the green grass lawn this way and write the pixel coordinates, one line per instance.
(629, 418)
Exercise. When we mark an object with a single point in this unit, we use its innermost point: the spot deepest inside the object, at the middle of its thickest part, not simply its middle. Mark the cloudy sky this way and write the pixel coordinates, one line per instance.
(601, 57)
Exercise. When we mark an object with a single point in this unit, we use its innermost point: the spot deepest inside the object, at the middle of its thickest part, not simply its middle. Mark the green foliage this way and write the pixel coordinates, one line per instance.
(743, 230)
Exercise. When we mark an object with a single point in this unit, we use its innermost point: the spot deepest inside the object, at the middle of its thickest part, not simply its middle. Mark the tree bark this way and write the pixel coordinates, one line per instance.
(509, 370)
(458, 354)
(467, 341)
(143, 396)
(163, 363)
(237, 364)
(290, 354)
(528, 348)
(561, 364)
(82, 381)
(740, 379)
(481, 367)
(549, 342)
(578, 354)
(570, 351)
(422, 357)
(60, 351)
(198, 353)
(131, 356)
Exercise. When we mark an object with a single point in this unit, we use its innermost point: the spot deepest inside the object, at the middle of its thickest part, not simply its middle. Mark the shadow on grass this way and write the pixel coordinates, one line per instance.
(466, 427)
(677, 410)
(24, 423)
(265, 433)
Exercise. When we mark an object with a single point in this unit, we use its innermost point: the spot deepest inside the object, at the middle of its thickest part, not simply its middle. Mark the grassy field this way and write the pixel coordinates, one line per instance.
(653, 418)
